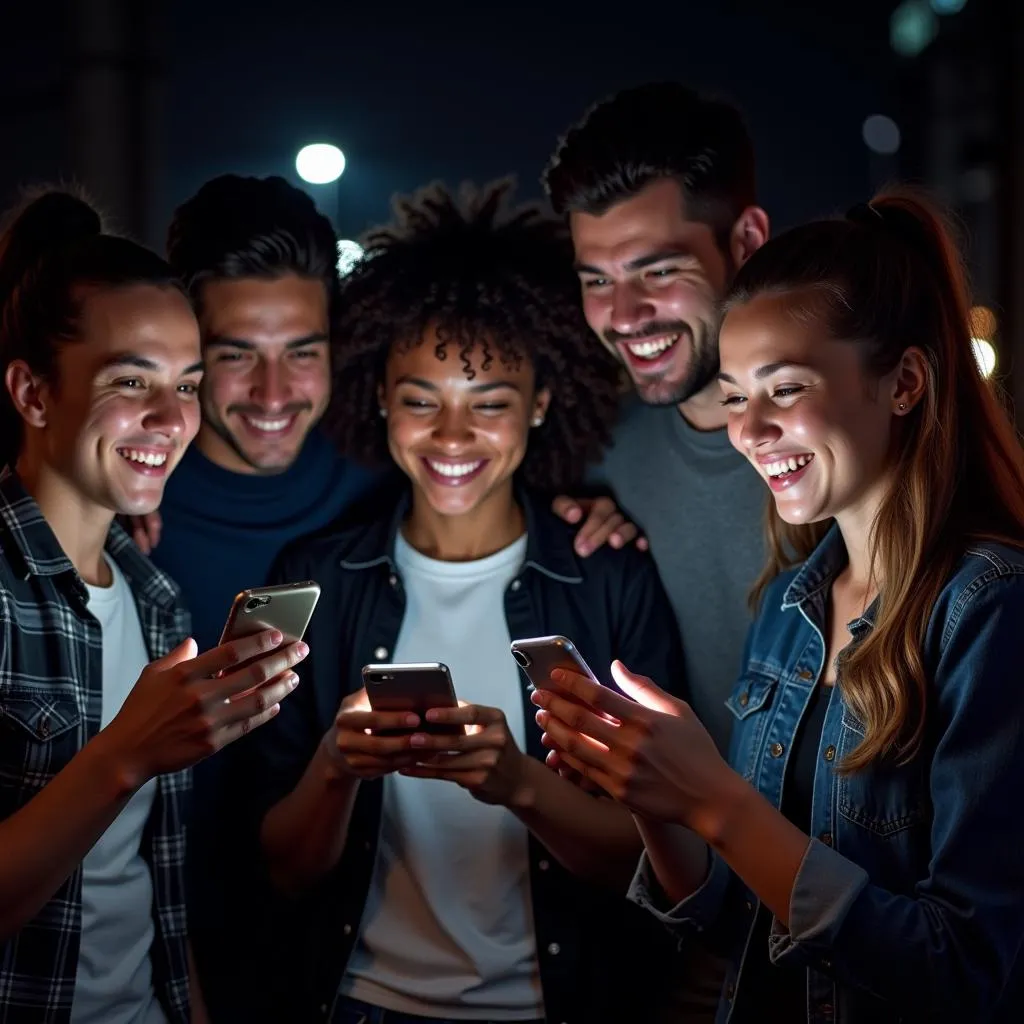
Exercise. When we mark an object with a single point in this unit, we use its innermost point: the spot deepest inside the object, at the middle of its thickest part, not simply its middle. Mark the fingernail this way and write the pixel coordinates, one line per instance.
(301, 649)
(432, 715)
(276, 636)
(417, 739)
(583, 548)
(542, 718)
(615, 540)
(293, 680)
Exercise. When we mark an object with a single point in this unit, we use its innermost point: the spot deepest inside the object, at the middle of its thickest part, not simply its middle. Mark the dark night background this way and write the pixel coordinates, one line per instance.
(144, 101)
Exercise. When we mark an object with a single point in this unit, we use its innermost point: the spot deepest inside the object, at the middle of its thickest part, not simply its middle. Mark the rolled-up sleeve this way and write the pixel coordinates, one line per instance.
(948, 945)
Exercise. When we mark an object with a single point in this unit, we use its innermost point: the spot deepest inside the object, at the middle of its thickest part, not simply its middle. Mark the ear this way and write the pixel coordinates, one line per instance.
(28, 392)
(748, 234)
(909, 381)
(541, 404)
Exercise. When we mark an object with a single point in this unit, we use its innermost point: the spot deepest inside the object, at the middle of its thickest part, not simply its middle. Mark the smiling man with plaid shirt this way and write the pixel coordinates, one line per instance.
(101, 366)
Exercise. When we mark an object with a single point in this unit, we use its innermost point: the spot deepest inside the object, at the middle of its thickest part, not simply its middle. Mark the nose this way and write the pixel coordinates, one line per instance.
(167, 414)
(452, 429)
(631, 308)
(757, 425)
(270, 386)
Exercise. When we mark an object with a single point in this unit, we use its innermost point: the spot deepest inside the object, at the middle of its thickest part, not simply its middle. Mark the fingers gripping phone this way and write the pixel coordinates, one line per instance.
(412, 687)
(539, 656)
(286, 608)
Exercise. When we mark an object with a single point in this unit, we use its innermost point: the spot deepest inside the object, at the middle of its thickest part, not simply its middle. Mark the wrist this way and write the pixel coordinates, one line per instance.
(330, 765)
(116, 772)
(716, 821)
(524, 792)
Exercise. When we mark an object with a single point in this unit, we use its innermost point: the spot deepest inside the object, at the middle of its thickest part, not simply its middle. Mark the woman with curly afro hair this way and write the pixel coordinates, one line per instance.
(454, 875)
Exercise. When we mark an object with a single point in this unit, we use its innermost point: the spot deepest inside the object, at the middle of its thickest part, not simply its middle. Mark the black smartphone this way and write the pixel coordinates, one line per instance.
(412, 687)
(539, 656)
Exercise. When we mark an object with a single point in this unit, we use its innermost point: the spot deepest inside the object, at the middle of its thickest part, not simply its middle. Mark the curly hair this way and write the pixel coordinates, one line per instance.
(481, 274)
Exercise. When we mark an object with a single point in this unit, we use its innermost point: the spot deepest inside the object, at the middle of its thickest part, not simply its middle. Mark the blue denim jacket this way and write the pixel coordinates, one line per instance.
(909, 902)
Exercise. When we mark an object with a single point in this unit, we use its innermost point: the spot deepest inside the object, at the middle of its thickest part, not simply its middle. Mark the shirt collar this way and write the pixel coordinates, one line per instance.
(39, 553)
(548, 540)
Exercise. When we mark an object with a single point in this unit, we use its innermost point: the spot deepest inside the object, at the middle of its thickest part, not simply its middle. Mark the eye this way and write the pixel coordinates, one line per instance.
(230, 357)
(130, 383)
(786, 390)
(733, 400)
(190, 389)
(493, 406)
(663, 272)
(419, 404)
(595, 282)
(306, 353)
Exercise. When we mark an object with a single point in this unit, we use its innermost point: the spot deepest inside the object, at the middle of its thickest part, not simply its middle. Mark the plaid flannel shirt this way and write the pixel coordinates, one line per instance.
(51, 679)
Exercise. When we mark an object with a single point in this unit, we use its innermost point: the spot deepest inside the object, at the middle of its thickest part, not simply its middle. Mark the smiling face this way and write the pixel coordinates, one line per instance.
(458, 439)
(651, 279)
(123, 404)
(267, 370)
(801, 407)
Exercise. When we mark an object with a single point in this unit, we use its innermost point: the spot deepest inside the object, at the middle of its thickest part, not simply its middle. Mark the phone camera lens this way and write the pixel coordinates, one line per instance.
(522, 658)
(256, 602)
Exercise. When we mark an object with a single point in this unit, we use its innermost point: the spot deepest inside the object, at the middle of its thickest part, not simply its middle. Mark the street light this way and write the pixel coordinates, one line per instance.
(320, 163)
(349, 254)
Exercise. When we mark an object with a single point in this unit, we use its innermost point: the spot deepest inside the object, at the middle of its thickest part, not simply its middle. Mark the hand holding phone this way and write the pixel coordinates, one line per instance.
(413, 687)
(539, 656)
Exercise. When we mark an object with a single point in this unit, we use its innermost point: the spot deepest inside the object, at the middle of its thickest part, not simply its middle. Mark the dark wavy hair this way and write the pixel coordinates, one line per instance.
(481, 274)
(237, 227)
(648, 133)
(52, 250)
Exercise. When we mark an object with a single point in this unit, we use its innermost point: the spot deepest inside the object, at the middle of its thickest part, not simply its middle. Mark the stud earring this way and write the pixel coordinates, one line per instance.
(902, 406)
(537, 421)
(383, 413)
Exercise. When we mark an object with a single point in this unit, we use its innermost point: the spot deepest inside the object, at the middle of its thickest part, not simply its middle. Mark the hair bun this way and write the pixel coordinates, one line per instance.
(46, 222)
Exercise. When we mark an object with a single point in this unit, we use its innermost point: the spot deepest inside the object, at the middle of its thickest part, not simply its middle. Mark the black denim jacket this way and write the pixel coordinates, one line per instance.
(599, 960)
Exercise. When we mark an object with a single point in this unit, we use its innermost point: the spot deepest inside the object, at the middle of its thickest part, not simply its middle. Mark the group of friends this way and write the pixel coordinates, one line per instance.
(759, 482)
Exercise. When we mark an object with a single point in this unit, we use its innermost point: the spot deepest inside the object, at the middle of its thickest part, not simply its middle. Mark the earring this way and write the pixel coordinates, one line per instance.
(537, 421)
(383, 413)
(902, 406)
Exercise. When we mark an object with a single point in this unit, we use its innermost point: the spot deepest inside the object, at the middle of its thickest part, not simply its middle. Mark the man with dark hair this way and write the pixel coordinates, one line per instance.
(658, 186)
(259, 263)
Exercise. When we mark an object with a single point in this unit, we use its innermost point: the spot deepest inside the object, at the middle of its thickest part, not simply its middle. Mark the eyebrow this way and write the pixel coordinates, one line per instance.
(143, 363)
(222, 341)
(641, 262)
(766, 371)
(477, 389)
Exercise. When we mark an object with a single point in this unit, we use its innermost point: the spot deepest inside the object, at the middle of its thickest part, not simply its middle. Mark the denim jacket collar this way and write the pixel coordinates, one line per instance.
(547, 550)
(810, 586)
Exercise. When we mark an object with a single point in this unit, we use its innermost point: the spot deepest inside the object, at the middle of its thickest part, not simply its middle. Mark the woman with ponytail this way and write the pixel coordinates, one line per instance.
(861, 856)
(104, 704)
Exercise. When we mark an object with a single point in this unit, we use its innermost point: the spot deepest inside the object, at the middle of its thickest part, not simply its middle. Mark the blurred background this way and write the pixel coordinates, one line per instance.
(141, 101)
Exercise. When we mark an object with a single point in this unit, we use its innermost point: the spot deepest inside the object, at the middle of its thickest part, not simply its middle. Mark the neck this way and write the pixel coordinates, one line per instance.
(704, 410)
(856, 524)
(494, 524)
(80, 526)
(220, 453)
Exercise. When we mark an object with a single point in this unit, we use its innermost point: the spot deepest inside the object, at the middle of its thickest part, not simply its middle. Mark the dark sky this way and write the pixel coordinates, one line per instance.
(458, 90)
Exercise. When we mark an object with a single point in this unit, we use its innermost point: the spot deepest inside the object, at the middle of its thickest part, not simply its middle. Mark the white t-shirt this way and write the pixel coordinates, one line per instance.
(448, 926)
(114, 982)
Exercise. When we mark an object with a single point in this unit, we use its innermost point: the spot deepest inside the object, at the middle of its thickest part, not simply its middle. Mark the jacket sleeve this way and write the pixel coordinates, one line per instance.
(647, 634)
(949, 944)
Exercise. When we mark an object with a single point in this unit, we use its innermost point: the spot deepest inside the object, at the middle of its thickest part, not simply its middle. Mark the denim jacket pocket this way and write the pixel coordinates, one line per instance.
(750, 704)
(42, 713)
(885, 798)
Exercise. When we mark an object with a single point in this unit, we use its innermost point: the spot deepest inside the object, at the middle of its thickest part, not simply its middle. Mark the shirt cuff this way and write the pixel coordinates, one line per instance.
(698, 912)
(826, 886)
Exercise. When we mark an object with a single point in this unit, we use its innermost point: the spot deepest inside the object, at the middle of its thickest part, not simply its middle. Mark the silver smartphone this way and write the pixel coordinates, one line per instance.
(539, 656)
(287, 608)
(414, 687)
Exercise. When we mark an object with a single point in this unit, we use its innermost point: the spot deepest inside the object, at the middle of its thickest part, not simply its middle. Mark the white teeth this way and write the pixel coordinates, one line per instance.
(790, 465)
(146, 458)
(270, 426)
(454, 469)
(650, 349)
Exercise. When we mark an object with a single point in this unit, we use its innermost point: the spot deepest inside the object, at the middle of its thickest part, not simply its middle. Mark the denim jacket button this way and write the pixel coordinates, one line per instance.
(554, 949)
(776, 750)
(744, 699)
(830, 753)
(380, 653)
(805, 674)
